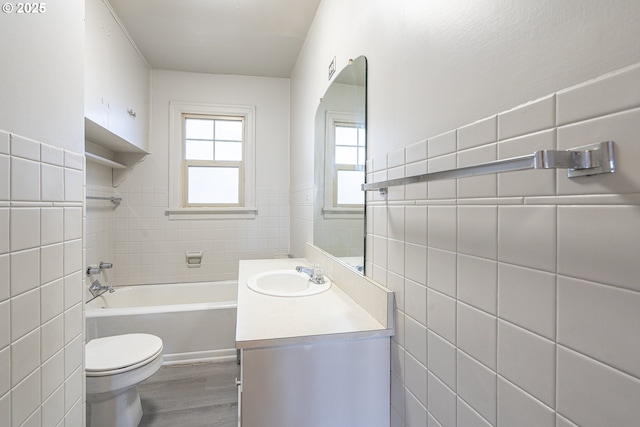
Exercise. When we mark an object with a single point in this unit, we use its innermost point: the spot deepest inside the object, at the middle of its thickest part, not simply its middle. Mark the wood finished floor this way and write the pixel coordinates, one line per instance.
(199, 395)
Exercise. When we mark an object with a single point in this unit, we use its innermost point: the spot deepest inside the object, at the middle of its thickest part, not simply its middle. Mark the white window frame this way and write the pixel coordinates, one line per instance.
(176, 209)
(330, 210)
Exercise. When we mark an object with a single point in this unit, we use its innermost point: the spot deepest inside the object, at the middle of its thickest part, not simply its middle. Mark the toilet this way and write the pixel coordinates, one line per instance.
(114, 366)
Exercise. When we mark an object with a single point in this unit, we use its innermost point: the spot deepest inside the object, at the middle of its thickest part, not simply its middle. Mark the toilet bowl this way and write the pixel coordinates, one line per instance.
(114, 366)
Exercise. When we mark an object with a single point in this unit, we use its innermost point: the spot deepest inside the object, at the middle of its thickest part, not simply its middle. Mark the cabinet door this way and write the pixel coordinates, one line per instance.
(98, 28)
(128, 105)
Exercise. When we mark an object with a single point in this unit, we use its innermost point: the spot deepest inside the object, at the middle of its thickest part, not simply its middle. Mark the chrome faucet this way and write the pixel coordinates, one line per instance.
(315, 273)
(96, 288)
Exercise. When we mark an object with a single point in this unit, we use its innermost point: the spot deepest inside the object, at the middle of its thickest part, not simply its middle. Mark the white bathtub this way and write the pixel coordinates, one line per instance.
(196, 321)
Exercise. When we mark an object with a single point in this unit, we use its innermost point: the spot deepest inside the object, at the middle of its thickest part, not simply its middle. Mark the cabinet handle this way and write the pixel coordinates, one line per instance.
(238, 382)
(131, 112)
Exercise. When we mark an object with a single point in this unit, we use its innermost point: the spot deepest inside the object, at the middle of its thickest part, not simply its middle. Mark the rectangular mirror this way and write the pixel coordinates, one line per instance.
(340, 156)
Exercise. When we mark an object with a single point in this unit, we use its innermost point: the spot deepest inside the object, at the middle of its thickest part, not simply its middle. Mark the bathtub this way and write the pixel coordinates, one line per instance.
(196, 321)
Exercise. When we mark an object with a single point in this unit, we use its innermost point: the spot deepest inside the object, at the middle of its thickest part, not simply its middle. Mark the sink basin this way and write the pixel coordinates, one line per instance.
(285, 283)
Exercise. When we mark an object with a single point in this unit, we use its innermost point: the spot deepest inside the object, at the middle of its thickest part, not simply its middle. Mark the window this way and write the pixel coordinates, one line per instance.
(344, 165)
(211, 165)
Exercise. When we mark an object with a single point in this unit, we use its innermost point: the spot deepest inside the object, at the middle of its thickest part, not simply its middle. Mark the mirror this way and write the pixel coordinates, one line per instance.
(340, 155)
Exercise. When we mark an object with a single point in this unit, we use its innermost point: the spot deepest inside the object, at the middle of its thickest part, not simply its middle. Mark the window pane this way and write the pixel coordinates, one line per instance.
(230, 130)
(198, 129)
(346, 155)
(213, 185)
(349, 188)
(198, 150)
(361, 136)
(346, 135)
(227, 150)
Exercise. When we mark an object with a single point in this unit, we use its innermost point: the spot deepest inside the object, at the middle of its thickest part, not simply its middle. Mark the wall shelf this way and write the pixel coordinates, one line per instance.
(93, 158)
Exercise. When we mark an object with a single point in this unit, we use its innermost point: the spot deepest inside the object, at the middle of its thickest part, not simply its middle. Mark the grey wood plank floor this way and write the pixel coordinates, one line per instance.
(199, 395)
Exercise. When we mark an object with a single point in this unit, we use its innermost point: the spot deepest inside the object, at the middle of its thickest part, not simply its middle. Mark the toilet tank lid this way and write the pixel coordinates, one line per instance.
(120, 351)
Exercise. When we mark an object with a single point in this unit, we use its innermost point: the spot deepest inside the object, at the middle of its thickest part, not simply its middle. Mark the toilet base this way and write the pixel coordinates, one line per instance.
(121, 410)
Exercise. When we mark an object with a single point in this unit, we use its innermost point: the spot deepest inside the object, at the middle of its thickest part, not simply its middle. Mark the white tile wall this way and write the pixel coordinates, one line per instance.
(531, 280)
(34, 264)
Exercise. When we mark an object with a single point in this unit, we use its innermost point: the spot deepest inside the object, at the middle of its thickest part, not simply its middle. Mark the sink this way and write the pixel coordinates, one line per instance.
(285, 283)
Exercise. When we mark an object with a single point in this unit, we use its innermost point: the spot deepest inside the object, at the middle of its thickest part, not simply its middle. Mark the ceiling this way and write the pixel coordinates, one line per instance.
(244, 37)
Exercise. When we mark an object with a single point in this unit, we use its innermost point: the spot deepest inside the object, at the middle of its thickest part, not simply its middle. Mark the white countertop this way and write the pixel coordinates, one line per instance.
(268, 321)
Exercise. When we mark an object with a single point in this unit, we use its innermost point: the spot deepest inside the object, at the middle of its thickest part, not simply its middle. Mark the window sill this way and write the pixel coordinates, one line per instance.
(211, 213)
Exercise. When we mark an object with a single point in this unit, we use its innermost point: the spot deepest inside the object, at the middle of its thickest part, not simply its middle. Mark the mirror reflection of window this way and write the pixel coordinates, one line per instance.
(349, 163)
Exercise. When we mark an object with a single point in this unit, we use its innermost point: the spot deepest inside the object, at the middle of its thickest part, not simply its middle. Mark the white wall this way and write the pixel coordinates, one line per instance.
(41, 217)
(151, 249)
(505, 315)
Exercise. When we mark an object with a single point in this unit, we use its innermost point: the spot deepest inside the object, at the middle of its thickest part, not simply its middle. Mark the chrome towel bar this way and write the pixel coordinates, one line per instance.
(115, 200)
(581, 161)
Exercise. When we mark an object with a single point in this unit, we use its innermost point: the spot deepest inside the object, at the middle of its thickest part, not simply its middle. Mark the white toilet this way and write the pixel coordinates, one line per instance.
(114, 366)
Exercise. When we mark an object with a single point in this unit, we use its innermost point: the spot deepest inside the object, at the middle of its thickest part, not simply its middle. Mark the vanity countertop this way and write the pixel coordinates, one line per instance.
(269, 321)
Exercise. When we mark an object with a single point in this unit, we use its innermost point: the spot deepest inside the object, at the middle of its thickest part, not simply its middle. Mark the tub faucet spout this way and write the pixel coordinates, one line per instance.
(315, 273)
(96, 288)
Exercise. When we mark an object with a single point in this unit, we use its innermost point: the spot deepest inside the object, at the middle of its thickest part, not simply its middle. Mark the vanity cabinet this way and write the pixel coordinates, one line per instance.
(328, 383)
(116, 84)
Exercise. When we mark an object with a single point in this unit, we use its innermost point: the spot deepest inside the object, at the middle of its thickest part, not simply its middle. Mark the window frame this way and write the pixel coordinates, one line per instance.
(178, 208)
(331, 208)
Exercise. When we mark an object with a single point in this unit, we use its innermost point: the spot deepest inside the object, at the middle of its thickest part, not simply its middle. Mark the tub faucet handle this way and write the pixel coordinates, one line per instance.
(105, 265)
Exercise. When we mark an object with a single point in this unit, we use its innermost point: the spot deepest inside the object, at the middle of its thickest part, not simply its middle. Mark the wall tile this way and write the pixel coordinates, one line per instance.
(477, 386)
(416, 224)
(416, 340)
(478, 231)
(25, 180)
(51, 262)
(528, 361)
(52, 187)
(441, 315)
(72, 256)
(478, 133)
(467, 417)
(73, 387)
(532, 182)
(52, 374)
(25, 356)
(442, 402)
(608, 336)
(531, 117)
(416, 191)
(51, 300)
(5, 178)
(5, 142)
(604, 95)
(73, 323)
(622, 128)
(441, 271)
(51, 155)
(73, 160)
(25, 313)
(73, 355)
(527, 236)
(563, 422)
(396, 222)
(416, 378)
(415, 265)
(477, 280)
(517, 408)
(440, 145)
(416, 152)
(53, 409)
(444, 189)
(592, 394)
(25, 398)
(5, 374)
(25, 148)
(52, 335)
(396, 158)
(478, 186)
(5, 324)
(416, 301)
(25, 271)
(527, 298)
(5, 229)
(441, 223)
(442, 359)
(380, 251)
(51, 225)
(477, 334)
(4, 277)
(580, 253)
(73, 290)
(25, 228)
(415, 412)
(73, 183)
(395, 282)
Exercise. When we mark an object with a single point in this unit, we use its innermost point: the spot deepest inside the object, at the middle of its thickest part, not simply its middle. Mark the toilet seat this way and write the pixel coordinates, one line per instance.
(121, 353)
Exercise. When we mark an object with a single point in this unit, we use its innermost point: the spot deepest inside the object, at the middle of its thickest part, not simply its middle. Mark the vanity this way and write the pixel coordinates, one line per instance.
(316, 360)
